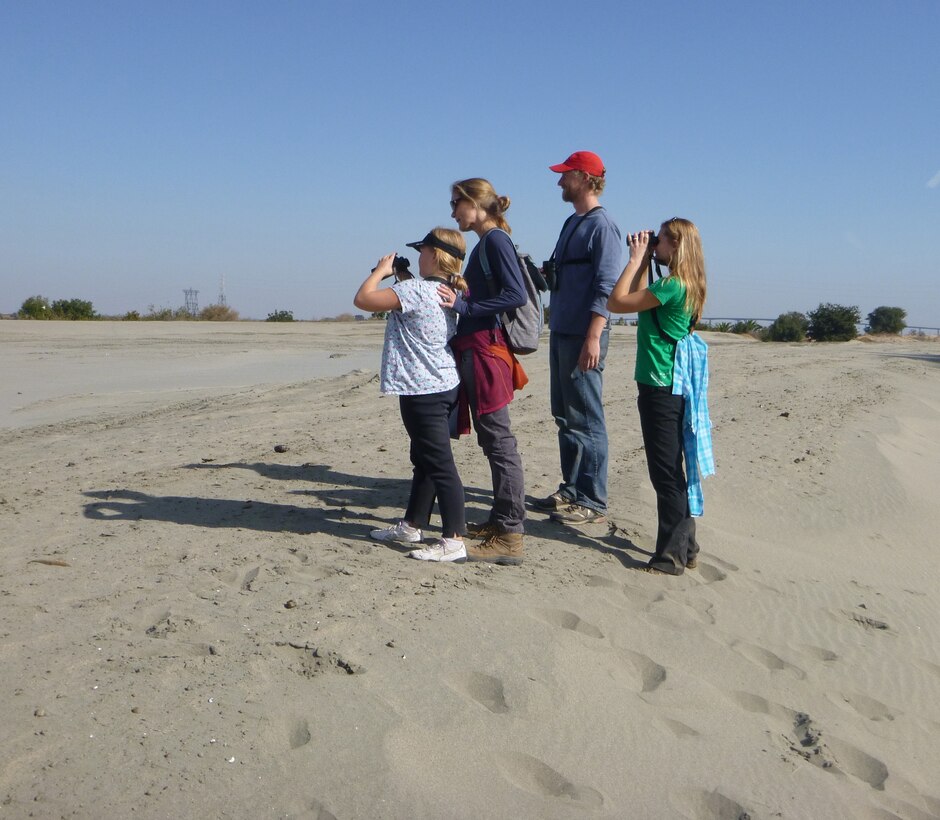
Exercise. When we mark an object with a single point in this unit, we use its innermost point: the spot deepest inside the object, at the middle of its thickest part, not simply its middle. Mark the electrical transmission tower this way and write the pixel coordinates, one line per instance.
(192, 301)
(222, 290)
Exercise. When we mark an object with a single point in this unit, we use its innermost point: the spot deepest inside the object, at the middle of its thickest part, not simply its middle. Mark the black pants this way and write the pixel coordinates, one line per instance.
(661, 421)
(435, 473)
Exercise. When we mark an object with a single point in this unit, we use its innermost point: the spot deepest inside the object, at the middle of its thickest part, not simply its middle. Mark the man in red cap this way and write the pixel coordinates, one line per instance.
(587, 263)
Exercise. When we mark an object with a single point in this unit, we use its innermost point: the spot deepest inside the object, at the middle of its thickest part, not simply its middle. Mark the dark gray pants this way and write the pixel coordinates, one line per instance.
(499, 446)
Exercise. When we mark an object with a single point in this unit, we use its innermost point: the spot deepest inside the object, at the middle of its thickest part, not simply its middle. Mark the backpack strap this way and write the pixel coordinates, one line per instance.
(564, 248)
(488, 275)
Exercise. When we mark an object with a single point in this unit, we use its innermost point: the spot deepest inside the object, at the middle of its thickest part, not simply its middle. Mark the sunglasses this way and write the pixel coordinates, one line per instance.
(455, 202)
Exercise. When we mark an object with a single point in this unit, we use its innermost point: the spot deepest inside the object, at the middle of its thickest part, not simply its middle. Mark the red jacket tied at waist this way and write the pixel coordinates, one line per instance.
(496, 373)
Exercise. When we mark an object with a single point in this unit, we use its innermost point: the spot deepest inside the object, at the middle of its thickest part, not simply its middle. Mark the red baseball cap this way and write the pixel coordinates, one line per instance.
(581, 161)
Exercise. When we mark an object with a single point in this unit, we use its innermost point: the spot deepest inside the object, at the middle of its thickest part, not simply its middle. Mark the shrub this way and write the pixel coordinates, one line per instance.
(132, 316)
(746, 326)
(833, 323)
(166, 314)
(73, 309)
(886, 320)
(280, 316)
(722, 327)
(218, 313)
(35, 307)
(788, 327)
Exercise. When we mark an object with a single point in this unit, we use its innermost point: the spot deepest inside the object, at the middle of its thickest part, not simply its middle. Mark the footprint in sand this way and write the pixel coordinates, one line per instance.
(484, 689)
(702, 805)
(250, 578)
(859, 764)
(821, 654)
(567, 620)
(676, 728)
(766, 658)
(834, 755)
(677, 609)
(868, 707)
(318, 812)
(929, 666)
(305, 808)
(711, 573)
(837, 756)
(714, 569)
(812, 744)
(299, 734)
(603, 581)
(651, 673)
(532, 775)
(755, 703)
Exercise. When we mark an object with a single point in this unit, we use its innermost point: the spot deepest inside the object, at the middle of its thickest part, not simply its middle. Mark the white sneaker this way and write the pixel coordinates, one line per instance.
(401, 532)
(444, 549)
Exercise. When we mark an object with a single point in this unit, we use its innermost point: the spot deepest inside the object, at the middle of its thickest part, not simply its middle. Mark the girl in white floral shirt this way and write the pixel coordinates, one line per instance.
(419, 368)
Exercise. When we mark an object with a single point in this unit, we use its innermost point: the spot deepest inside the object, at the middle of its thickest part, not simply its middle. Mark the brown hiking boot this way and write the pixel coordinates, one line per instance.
(504, 548)
(484, 530)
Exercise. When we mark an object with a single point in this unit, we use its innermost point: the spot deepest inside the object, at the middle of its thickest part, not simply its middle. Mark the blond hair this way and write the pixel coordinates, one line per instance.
(596, 183)
(482, 194)
(448, 264)
(688, 262)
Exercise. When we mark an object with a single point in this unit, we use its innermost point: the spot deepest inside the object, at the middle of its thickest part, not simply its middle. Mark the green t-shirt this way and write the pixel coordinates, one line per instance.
(654, 355)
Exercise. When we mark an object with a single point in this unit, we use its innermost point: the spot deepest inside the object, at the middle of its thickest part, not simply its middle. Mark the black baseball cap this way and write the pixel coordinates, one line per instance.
(434, 242)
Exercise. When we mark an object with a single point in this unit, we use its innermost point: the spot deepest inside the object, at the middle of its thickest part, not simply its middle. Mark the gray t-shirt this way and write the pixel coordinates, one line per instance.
(416, 360)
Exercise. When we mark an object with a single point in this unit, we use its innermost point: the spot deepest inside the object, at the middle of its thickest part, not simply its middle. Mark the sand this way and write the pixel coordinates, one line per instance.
(195, 625)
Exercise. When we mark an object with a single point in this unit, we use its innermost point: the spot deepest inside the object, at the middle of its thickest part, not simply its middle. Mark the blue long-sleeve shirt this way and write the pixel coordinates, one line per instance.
(477, 309)
(586, 273)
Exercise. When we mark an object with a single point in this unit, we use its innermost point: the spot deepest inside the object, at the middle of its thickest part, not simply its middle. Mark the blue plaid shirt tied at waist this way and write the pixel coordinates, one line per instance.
(690, 380)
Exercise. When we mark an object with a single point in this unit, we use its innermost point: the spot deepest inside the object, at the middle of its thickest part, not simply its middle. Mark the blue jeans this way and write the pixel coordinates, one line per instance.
(577, 405)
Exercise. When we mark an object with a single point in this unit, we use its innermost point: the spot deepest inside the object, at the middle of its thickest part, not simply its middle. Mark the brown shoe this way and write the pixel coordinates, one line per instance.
(484, 530)
(504, 548)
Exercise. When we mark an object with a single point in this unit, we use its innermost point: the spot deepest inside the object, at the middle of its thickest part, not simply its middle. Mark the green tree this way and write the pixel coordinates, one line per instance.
(886, 320)
(73, 309)
(833, 323)
(788, 327)
(35, 307)
(280, 316)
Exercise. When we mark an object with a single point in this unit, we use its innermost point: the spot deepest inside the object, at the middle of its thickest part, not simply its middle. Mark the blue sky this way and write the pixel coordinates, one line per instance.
(150, 147)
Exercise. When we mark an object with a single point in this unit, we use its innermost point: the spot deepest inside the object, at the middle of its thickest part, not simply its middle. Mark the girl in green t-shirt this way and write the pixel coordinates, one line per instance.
(666, 311)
